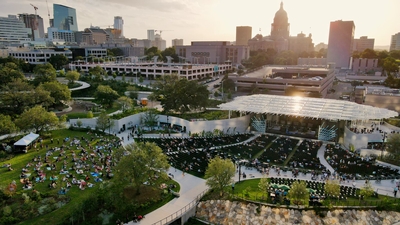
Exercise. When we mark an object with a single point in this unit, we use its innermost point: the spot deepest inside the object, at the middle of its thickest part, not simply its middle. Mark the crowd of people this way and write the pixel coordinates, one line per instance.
(69, 162)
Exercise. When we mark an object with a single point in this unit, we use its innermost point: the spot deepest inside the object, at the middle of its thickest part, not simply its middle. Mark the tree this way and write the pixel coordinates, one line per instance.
(390, 65)
(58, 61)
(228, 85)
(97, 72)
(133, 92)
(125, 102)
(139, 163)
(38, 119)
(367, 190)
(104, 122)
(7, 126)
(153, 51)
(180, 95)
(59, 92)
(106, 95)
(79, 123)
(219, 174)
(10, 72)
(19, 95)
(263, 185)
(72, 76)
(89, 114)
(150, 118)
(298, 193)
(170, 52)
(115, 52)
(369, 54)
(332, 188)
(44, 73)
(393, 144)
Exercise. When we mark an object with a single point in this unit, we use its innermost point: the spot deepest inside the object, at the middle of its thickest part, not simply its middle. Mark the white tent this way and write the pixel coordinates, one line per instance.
(27, 140)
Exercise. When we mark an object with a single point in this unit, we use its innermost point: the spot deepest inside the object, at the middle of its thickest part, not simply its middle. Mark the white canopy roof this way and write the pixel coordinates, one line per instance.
(25, 141)
(316, 108)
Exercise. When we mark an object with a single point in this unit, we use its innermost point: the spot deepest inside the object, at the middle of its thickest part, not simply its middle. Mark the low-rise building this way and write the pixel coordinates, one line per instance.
(215, 52)
(360, 65)
(303, 79)
(38, 56)
(152, 70)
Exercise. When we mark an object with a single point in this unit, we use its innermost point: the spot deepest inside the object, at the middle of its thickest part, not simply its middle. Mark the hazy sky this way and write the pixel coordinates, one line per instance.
(195, 20)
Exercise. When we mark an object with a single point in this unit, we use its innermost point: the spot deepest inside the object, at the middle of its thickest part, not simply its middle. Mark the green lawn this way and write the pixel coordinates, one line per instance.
(255, 194)
(74, 195)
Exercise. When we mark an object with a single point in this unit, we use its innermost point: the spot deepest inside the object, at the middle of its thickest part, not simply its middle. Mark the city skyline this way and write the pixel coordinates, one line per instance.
(210, 20)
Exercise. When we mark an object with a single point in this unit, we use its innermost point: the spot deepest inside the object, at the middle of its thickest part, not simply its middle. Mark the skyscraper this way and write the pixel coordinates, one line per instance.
(243, 35)
(13, 31)
(119, 25)
(340, 44)
(30, 21)
(151, 35)
(395, 42)
(65, 18)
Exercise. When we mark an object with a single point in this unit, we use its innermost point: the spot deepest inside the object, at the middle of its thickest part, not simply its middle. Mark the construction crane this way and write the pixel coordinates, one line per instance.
(161, 31)
(36, 23)
(48, 11)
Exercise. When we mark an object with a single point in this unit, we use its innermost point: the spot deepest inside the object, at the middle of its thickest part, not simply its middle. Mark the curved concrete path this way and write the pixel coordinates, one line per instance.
(322, 160)
(84, 85)
(192, 187)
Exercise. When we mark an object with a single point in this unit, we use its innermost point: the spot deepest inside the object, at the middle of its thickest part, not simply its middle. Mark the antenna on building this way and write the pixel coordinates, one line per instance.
(260, 30)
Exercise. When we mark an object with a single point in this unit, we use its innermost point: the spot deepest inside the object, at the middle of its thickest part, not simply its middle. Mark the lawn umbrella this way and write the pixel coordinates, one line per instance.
(274, 185)
(284, 187)
(312, 191)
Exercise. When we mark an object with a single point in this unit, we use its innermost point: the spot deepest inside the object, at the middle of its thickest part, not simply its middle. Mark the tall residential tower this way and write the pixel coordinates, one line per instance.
(119, 25)
(340, 44)
(65, 18)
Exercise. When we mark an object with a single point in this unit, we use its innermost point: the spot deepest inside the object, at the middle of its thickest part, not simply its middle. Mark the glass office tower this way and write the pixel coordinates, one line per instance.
(65, 18)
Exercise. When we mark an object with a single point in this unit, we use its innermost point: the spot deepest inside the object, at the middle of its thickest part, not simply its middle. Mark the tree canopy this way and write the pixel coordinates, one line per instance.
(59, 92)
(393, 144)
(125, 103)
(219, 174)
(38, 119)
(58, 61)
(7, 126)
(18, 96)
(180, 95)
(72, 76)
(44, 73)
(140, 162)
(105, 95)
(298, 193)
(104, 122)
(10, 72)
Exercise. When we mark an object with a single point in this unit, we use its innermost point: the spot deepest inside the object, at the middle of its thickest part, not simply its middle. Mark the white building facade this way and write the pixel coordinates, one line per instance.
(13, 31)
(38, 56)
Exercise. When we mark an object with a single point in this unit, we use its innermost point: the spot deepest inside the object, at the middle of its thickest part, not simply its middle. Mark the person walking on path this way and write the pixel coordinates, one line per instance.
(395, 191)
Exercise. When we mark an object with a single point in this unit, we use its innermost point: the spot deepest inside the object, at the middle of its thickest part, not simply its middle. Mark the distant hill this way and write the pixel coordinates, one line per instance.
(382, 47)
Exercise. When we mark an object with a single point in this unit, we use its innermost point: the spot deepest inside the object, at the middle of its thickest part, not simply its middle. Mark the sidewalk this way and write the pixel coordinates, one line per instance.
(191, 187)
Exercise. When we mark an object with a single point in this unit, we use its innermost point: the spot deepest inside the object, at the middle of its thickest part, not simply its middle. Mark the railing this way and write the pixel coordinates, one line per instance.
(176, 215)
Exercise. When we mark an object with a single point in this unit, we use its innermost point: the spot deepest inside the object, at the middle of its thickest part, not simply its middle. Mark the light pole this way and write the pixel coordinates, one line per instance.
(109, 125)
(383, 144)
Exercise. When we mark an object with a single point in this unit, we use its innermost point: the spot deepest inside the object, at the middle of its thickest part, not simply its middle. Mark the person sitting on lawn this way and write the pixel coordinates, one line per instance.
(68, 185)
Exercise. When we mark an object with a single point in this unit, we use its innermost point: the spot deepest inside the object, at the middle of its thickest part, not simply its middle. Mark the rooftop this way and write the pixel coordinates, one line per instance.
(316, 108)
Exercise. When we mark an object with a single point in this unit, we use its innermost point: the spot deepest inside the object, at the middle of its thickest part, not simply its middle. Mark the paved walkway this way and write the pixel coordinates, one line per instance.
(322, 160)
(192, 187)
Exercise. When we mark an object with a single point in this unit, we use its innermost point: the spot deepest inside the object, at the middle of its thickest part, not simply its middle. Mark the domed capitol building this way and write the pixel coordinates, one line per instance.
(279, 39)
